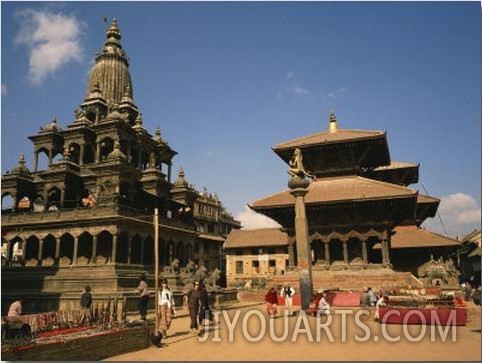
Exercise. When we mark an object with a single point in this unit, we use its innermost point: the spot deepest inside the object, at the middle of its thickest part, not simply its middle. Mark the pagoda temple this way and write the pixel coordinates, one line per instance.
(88, 218)
(358, 208)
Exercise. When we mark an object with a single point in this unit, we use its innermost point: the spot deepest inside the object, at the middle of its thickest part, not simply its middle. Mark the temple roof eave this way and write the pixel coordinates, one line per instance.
(326, 138)
(338, 190)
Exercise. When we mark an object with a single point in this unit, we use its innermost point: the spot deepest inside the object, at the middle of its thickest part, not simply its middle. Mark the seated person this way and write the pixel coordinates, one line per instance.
(15, 311)
(365, 298)
(323, 306)
(314, 305)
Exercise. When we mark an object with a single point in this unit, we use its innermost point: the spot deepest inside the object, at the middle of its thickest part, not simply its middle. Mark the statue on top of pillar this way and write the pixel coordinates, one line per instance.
(296, 163)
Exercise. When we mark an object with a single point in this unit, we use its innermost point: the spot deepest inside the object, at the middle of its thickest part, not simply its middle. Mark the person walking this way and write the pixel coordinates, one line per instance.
(287, 292)
(382, 301)
(205, 312)
(193, 299)
(86, 306)
(166, 308)
(143, 291)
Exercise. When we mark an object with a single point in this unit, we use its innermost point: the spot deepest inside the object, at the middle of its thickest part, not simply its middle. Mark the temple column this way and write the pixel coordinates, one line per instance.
(169, 170)
(94, 249)
(139, 159)
(364, 252)
(385, 250)
(62, 198)
(142, 251)
(46, 201)
(35, 161)
(97, 152)
(51, 156)
(327, 252)
(129, 250)
(76, 250)
(57, 252)
(40, 250)
(345, 251)
(9, 253)
(114, 248)
(291, 254)
(298, 190)
(15, 203)
(81, 154)
(129, 152)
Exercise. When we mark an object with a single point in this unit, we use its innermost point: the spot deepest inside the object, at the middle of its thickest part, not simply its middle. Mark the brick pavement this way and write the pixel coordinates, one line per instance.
(313, 342)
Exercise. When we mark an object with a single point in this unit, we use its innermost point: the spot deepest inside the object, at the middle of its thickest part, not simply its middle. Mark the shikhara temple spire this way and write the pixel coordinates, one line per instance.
(110, 74)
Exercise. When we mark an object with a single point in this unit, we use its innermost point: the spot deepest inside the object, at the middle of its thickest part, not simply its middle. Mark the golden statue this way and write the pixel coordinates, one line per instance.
(296, 162)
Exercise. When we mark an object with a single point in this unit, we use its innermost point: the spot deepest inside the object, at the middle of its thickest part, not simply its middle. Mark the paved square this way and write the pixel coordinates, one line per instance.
(244, 335)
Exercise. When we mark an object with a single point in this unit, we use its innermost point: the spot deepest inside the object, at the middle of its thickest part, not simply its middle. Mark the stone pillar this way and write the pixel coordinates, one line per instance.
(76, 250)
(129, 250)
(139, 158)
(97, 152)
(57, 252)
(94, 249)
(46, 201)
(169, 171)
(291, 254)
(15, 203)
(40, 250)
(385, 251)
(142, 251)
(51, 157)
(327, 252)
(298, 185)
(35, 161)
(62, 198)
(9, 253)
(81, 154)
(114, 248)
(364, 252)
(345, 251)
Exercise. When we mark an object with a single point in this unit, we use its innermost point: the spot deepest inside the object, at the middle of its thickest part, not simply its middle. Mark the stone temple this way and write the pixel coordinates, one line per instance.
(88, 218)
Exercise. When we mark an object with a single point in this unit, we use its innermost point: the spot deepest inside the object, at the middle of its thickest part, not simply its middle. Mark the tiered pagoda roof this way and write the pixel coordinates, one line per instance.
(355, 183)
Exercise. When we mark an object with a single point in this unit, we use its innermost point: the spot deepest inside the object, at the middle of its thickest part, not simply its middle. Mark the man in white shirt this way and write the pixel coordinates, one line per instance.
(287, 292)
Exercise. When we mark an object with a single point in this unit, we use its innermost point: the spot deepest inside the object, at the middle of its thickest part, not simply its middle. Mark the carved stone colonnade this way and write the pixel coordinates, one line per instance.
(349, 248)
(80, 247)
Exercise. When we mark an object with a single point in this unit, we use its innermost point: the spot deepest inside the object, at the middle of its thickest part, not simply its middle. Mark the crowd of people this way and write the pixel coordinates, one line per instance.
(197, 301)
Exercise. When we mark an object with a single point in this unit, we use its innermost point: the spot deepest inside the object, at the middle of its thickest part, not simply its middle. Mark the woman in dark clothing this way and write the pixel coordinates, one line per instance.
(205, 312)
(86, 306)
(193, 298)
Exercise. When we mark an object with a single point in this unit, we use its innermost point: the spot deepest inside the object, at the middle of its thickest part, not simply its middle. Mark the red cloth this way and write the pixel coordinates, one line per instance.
(271, 297)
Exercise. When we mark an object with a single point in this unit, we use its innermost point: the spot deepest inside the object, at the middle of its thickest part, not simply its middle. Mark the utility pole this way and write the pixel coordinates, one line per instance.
(156, 266)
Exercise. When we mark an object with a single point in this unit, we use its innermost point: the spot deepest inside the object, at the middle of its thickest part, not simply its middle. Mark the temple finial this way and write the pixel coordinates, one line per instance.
(333, 125)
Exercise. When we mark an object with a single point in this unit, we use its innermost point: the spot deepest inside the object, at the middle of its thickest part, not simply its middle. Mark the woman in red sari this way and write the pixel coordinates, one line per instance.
(271, 299)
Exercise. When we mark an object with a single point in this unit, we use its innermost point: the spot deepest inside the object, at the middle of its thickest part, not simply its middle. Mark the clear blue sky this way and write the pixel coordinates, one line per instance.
(226, 81)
